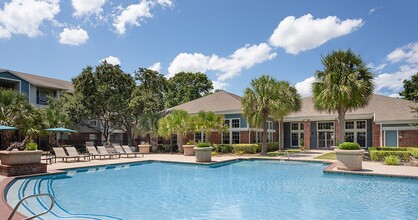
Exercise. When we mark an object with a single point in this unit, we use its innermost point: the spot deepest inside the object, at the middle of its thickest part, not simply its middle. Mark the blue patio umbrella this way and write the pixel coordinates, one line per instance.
(4, 127)
(59, 130)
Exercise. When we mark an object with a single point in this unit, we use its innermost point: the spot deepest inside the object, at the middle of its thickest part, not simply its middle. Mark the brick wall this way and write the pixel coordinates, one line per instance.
(244, 137)
(375, 135)
(408, 138)
(307, 134)
(22, 169)
(215, 138)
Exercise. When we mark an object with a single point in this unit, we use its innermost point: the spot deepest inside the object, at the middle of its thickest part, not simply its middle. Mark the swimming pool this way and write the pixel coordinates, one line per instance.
(249, 189)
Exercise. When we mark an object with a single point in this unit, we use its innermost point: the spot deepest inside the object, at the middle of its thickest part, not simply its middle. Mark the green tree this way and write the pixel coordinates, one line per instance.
(177, 122)
(187, 86)
(344, 85)
(101, 94)
(148, 124)
(410, 89)
(268, 98)
(55, 115)
(208, 122)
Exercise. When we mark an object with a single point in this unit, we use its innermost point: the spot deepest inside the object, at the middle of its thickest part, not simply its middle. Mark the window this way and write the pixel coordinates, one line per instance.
(356, 132)
(235, 137)
(325, 125)
(225, 138)
(199, 137)
(174, 139)
(235, 123)
(42, 97)
(93, 123)
(269, 125)
(226, 122)
(92, 137)
(296, 133)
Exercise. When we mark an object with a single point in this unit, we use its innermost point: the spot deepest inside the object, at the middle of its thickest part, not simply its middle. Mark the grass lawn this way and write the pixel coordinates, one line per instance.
(282, 153)
(327, 156)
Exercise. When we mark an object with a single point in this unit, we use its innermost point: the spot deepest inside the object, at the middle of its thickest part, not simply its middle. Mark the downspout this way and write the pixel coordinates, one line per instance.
(381, 135)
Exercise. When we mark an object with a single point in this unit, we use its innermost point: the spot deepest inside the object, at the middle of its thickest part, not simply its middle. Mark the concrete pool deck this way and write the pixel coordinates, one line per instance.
(369, 168)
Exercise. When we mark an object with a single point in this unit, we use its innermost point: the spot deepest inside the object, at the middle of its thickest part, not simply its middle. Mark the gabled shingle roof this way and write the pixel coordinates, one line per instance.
(384, 108)
(42, 81)
(218, 102)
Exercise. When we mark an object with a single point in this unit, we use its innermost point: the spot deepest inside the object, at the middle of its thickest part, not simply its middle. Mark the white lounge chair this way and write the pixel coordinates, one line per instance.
(60, 153)
(103, 151)
(92, 150)
(73, 152)
(128, 150)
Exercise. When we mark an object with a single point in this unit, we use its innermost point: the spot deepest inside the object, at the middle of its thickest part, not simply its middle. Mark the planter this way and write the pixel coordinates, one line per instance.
(144, 148)
(203, 154)
(188, 150)
(15, 157)
(349, 159)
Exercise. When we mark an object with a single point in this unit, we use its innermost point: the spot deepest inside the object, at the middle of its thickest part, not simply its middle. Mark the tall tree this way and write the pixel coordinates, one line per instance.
(266, 98)
(101, 94)
(345, 84)
(410, 89)
(177, 122)
(208, 122)
(187, 86)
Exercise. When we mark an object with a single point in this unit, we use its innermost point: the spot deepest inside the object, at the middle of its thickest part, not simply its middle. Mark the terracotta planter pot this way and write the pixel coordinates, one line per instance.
(203, 154)
(349, 159)
(144, 148)
(15, 157)
(188, 150)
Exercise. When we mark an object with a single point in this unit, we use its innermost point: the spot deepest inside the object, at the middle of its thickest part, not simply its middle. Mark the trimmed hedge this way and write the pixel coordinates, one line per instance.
(223, 148)
(349, 146)
(273, 146)
(203, 145)
(245, 148)
(392, 160)
(380, 153)
(413, 151)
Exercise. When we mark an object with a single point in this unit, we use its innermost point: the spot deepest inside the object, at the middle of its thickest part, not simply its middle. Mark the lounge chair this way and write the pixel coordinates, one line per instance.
(104, 151)
(128, 150)
(73, 152)
(92, 150)
(60, 153)
(119, 149)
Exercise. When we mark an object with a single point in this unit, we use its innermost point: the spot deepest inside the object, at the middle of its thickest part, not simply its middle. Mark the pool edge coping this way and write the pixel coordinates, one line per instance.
(329, 169)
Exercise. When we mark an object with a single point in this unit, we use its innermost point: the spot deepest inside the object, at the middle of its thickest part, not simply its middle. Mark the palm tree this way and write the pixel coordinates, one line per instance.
(148, 124)
(344, 85)
(268, 98)
(207, 122)
(178, 122)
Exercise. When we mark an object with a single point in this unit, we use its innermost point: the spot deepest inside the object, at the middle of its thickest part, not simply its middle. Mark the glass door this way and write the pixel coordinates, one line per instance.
(325, 139)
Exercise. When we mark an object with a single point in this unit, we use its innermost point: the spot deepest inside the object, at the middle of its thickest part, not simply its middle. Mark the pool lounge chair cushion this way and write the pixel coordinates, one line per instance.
(60, 153)
(73, 152)
(128, 150)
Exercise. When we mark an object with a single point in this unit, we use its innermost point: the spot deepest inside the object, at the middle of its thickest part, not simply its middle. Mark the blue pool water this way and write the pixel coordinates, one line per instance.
(242, 190)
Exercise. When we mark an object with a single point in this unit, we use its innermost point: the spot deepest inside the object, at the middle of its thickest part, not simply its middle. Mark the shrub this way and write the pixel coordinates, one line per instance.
(203, 145)
(167, 148)
(31, 146)
(239, 152)
(190, 142)
(245, 148)
(392, 160)
(214, 153)
(413, 151)
(349, 146)
(273, 146)
(223, 148)
(379, 155)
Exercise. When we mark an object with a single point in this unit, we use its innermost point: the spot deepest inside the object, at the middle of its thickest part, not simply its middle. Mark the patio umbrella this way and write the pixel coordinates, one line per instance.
(59, 130)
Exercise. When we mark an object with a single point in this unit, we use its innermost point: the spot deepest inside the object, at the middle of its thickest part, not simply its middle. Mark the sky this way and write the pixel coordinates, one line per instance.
(232, 41)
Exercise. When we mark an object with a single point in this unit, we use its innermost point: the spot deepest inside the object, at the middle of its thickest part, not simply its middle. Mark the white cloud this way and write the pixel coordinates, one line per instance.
(131, 15)
(25, 16)
(305, 33)
(390, 83)
(87, 7)
(378, 68)
(166, 3)
(372, 10)
(305, 87)
(407, 53)
(75, 37)
(111, 60)
(219, 85)
(227, 67)
(155, 67)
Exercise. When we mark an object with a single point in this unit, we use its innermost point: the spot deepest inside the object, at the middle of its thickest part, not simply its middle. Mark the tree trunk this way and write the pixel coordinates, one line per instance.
(281, 135)
(129, 135)
(341, 120)
(180, 143)
(264, 144)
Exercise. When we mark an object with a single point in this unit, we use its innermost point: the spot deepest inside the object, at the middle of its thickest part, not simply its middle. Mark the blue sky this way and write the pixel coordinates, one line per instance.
(231, 41)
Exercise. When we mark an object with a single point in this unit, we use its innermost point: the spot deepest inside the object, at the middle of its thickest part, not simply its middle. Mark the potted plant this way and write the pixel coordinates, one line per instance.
(349, 156)
(203, 152)
(144, 148)
(26, 153)
(188, 148)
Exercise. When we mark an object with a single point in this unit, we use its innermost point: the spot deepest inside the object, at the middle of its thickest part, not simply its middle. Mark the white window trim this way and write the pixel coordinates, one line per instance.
(355, 130)
(299, 132)
(231, 129)
(202, 137)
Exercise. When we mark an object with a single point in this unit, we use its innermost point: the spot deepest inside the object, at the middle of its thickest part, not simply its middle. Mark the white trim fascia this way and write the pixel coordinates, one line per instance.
(329, 117)
(228, 112)
(15, 80)
(261, 130)
(388, 122)
(399, 128)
